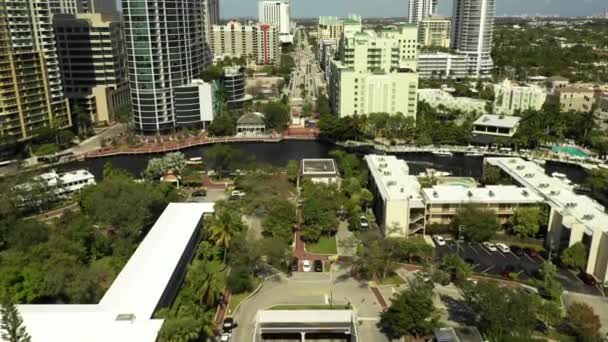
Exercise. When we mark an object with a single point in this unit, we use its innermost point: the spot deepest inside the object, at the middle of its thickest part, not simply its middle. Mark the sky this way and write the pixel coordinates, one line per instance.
(398, 8)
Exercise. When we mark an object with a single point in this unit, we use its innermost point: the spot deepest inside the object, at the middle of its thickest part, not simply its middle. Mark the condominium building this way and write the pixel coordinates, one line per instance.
(573, 218)
(471, 38)
(98, 6)
(31, 95)
(164, 51)
(276, 13)
(376, 72)
(601, 113)
(511, 98)
(333, 27)
(575, 98)
(92, 59)
(195, 104)
(434, 32)
(65, 6)
(256, 42)
(421, 9)
(444, 201)
(437, 98)
(211, 17)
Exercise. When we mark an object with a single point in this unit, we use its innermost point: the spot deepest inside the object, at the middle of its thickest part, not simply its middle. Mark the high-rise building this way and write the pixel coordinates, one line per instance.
(211, 16)
(375, 72)
(434, 32)
(98, 6)
(276, 12)
(471, 38)
(256, 42)
(421, 9)
(31, 95)
(92, 59)
(65, 6)
(333, 27)
(165, 49)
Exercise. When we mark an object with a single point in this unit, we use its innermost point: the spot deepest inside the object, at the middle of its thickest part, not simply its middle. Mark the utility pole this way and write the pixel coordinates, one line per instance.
(461, 230)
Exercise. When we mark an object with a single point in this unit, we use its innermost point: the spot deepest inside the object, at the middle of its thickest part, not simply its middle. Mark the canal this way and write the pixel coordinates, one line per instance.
(278, 154)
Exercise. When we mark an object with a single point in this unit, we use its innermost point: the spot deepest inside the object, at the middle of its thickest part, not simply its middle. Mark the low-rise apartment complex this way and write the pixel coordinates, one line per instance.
(575, 98)
(511, 98)
(256, 42)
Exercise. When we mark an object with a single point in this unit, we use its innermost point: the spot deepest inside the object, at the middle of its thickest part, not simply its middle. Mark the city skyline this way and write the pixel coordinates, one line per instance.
(398, 8)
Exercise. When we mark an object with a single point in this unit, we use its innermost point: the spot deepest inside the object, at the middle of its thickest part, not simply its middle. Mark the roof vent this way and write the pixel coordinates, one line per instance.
(125, 317)
(387, 173)
(529, 175)
(469, 193)
(512, 161)
(525, 193)
(435, 194)
(381, 159)
(554, 192)
(543, 185)
(520, 167)
(391, 183)
(588, 217)
(491, 193)
(571, 205)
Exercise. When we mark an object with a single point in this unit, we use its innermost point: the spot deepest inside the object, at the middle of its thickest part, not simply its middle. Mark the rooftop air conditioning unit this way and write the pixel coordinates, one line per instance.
(435, 194)
(520, 167)
(469, 193)
(525, 193)
(491, 193)
(387, 173)
(588, 217)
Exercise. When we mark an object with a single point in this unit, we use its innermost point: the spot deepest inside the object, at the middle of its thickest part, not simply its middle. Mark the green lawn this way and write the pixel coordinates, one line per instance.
(392, 280)
(325, 245)
(236, 299)
(311, 307)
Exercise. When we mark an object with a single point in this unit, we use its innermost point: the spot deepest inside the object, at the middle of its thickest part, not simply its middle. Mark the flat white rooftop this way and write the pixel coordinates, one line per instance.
(317, 167)
(502, 121)
(305, 316)
(392, 178)
(125, 311)
(556, 192)
(444, 194)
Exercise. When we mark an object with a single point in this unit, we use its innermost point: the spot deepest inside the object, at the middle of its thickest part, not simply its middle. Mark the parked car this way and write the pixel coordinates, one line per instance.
(587, 278)
(532, 253)
(229, 324)
(503, 248)
(318, 266)
(226, 337)
(363, 222)
(507, 270)
(236, 194)
(306, 265)
(199, 193)
(293, 266)
(490, 246)
(518, 250)
(439, 240)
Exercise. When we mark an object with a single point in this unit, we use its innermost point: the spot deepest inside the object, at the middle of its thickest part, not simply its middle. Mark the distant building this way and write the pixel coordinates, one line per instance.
(557, 82)
(276, 13)
(434, 32)
(327, 50)
(511, 98)
(601, 113)
(92, 59)
(99, 6)
(195, 104)
(256, 42)
(375, 72)
(437, 98)
(575, 98)
(399, 207)
(322, 171)
(443, 201)
(458, 65)
(251, 124)
(65, 6)
(496, 125)
(333, 27)
(234, 83)
(419, 10)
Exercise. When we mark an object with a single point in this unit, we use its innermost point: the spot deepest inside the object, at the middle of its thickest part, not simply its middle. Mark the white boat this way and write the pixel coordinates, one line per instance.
(443, 153)
(540, 162)
(559, 175)
(431, 173)
(474, 154)
(195, 160)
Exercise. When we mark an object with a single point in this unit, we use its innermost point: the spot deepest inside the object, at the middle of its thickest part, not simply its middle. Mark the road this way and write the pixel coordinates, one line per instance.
(305, 74)
(312, 288)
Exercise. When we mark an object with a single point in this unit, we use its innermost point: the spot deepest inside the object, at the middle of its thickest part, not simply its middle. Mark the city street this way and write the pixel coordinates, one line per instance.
(305, 74)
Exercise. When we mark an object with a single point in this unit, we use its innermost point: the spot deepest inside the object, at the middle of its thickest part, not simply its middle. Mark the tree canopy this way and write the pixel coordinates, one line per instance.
(574, 256)
(478, 224)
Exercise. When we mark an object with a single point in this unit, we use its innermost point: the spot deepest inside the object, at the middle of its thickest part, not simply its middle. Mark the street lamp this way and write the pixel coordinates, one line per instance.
(461, 230)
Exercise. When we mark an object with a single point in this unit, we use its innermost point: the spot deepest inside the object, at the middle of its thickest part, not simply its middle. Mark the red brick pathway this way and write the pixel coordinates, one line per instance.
(379, 298)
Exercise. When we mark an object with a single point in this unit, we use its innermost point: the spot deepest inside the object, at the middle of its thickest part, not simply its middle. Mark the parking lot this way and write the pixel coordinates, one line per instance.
(484, 261)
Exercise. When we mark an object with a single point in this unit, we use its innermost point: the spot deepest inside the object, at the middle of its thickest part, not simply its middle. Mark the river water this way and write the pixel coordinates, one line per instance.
(278, 154)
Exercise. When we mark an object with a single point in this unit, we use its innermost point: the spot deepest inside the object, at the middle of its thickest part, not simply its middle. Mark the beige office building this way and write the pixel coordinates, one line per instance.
(31, 95)
(333, 27)
(257, 42)
(434, 32)
(92, 55)
(375, 72)
(576, 99)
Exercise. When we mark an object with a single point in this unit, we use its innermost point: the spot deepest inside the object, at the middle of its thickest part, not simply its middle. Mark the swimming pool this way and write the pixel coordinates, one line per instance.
(573, 151)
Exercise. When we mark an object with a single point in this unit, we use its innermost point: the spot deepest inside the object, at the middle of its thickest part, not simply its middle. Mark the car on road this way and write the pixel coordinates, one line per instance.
(306, 265)
(318, 266)
(293, 266)
(226, 337)
(439, 240)
(588, 279)
(228, 324)
(518, 250)
(237, 193)
(200, 193)
(503, 248)
(490, 246)
(363, 222)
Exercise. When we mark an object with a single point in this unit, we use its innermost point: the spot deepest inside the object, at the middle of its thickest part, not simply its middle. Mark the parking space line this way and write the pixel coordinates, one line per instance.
(486, 250)
(473, 248)
(513, 254)
(487, 269)
(529, 258)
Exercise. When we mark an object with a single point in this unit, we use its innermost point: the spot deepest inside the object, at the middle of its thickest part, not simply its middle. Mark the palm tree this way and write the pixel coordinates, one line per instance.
(224, 227)
(207, 279)
(11, 325)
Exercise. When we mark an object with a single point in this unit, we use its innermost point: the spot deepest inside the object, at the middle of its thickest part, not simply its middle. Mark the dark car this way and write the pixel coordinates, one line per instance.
(587, 279)
(318, 264)
(507, 270)
(518, 250)
(532, 253)
(199, 193)
(293, 266)
(229, 324)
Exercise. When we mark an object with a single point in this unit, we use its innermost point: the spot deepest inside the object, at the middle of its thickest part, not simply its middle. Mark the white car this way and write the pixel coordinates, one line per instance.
(503, 248)
(225, 337)
(306, 265)
(490, 246)
(363, 222)
(439, 240)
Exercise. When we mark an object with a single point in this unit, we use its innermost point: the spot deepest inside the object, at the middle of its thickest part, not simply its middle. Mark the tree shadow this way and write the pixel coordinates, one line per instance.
(458, 311)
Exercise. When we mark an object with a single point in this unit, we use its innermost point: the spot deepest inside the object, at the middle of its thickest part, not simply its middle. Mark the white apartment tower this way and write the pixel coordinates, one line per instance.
(165, 49)
(472, 28)
(65, 6)
(421, 9)
(276, 13)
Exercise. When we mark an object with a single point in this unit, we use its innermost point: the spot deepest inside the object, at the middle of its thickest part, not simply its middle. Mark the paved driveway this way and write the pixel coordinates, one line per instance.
(312, 288)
